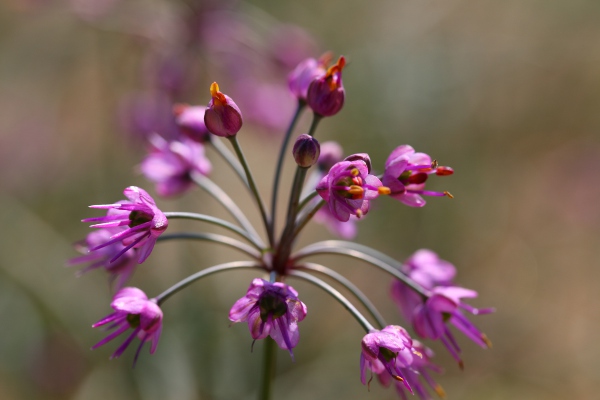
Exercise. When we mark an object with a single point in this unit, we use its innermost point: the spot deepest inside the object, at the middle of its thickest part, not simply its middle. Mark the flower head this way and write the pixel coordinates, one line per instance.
(348, 188)
(306, 150)
(133, 310)
(389, 349)
(222, 117)
(271, 309)
(139, 213)
(430, 315)
(190, 120)
(326, 93)
(302, 76)
(170, 164)
(406, 172)
(120, 269)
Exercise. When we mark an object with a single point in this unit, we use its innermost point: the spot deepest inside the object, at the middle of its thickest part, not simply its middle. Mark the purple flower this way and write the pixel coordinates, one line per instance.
(133, 310)
(121, 269)
(222, 117)
(389, 349)
(271, 309)
(302, 76)
(348, 188)
(345, 230)
(430, 315)
(326, 93)
(417, 374)
(331, 153)
(406, 172)
(190, 120)
(144, 220)
(306, 150)
(170, 164)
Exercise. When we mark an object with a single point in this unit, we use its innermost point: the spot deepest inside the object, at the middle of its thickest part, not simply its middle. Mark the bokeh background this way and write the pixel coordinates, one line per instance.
(507, 93)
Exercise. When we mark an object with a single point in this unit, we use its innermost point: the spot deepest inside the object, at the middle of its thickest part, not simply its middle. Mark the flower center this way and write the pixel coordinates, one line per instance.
(133, 320)
(271, 305)
(139, 217)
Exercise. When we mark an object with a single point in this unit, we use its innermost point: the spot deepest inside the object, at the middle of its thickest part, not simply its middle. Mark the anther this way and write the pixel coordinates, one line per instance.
(487, 341)
(354, 172)
(384, 190)
(356, 192)
(440, 391)
(434, 164)
(359, 213)
(448, 194)
(398, 378)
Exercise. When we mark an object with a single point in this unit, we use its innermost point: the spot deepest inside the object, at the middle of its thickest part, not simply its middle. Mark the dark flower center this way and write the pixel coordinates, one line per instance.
(139, 217)
(387, 354)
(134, 320)
(272, 305)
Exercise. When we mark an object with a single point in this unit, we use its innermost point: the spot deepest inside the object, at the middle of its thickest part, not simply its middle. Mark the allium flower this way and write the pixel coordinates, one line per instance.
(302, 76)
(326, 93)
(222, 117)
(429, 316)
(389, 349)
(121, 269)
(170, 164)
(271, 309)
(306, 150)
(144, 220)
(406, 172)
(190, 121)
(348, 188)
(133, 310)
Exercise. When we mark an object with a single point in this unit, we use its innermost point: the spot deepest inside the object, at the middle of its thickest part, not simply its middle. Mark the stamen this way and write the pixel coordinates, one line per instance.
(440, 391)
(434, 164)
(398, 378)
(448, 194)
(357, 192)
(384, 190)
(417, 353)
(217, 96)
(354, 172)
(444, 171)
(487, 341)
(359, 213)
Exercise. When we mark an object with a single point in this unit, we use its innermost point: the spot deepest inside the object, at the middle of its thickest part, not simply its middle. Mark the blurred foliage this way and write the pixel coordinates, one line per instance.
(504, 92)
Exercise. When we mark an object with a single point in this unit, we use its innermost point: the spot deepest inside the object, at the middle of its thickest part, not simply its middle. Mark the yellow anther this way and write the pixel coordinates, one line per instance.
(448, 194)
(398, 378)
(487, 341)
(440, 391)
(356, 190)
(355, 172)
(384, 190)
(216, 94)
(417, 353)
(359, 213)
(214, 89)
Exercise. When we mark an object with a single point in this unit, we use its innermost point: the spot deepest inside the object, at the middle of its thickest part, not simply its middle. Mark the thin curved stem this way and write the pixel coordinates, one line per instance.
(307, 200)
(205, 272)
(252, 186)
(229, 158)
(336, 295)
(301, 223)
(219, 194)
(342, 280)
(213, 237)
(215, 221)
(279, 165)
(364, 253)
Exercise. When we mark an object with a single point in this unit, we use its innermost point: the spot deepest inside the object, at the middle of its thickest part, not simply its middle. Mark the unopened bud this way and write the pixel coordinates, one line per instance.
(222, 117)
(306, 151)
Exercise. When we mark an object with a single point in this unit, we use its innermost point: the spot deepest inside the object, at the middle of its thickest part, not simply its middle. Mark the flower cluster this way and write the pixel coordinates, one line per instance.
(337, 191)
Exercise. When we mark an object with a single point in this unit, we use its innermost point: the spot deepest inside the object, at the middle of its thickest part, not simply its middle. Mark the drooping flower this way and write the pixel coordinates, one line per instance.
(190, 121)
(222, 116)
(302, 76)
(133, 310)
(271, 309)
(348, 188)
(170, 164)
(430, 315)
(139, 213)
(388, 350)
(417, 375)
(406, 172)
(326, 93)
(119, 270)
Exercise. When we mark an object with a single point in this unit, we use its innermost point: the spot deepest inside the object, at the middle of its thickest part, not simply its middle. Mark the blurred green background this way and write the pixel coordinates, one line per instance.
(507, 93)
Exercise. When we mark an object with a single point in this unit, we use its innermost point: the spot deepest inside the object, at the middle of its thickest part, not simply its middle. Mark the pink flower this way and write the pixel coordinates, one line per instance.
(302, 76)
(170, 164)
(133, 310)
(222, 117)
(406, 172)
(326, 93)
(271, 309)
(139, 213)
(348, 187)
(190, 121)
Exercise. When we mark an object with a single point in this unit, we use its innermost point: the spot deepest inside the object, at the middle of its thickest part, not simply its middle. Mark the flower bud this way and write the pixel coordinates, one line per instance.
(302, 76)
(222, 116)
(306, 150)
(190, 121)
(326, 93)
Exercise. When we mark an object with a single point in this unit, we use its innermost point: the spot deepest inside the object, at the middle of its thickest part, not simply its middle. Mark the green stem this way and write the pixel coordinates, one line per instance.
(205, 272)
(252, 186)
(229, 158)
(364, 253)
(219, 194)
(213, 237)
(279, 165)
(268, 369)
(307, 200)
(215, 221)
(336, 295)
(342, 280)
